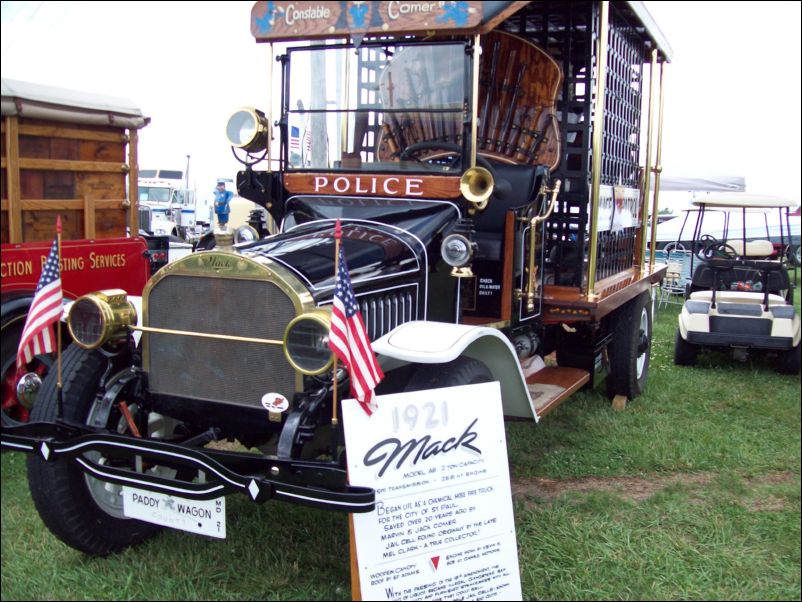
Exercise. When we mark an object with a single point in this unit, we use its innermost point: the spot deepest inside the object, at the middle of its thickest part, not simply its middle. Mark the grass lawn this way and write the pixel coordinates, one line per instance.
(691, 492)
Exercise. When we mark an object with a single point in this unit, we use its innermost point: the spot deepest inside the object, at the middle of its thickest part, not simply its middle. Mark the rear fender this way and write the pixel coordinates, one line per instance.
(422, 342)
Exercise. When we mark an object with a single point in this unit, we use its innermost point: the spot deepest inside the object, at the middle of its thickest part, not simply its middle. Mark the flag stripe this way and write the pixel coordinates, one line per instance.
(37, 335)
(350, 342)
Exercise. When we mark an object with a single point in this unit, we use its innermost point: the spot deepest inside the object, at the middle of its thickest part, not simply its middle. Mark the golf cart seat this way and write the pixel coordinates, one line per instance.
(740, 275)
(754, 248)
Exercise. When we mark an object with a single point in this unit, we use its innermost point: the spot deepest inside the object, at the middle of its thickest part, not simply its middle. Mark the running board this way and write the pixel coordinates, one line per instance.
(549, 387)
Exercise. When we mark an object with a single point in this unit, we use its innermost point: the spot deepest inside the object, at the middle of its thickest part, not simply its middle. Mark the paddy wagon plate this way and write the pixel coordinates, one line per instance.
(206, 517)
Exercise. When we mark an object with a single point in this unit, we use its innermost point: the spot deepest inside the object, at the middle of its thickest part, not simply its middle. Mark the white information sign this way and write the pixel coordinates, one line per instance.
(443, 528)
(206, 517)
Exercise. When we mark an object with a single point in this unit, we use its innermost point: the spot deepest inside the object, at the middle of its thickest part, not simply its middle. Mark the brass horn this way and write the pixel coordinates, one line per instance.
(476, 185)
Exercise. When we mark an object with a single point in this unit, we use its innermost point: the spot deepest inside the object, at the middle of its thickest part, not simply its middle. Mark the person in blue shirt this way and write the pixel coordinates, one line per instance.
(222, 198)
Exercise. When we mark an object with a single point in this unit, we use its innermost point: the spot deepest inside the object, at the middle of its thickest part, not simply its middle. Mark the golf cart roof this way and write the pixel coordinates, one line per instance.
(296, 20)
(739, 200)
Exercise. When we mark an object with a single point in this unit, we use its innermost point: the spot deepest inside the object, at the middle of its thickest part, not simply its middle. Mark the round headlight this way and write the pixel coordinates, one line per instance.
(306, 343)
(245, 233)
(456, 250)
(99, 318)
(248, 129)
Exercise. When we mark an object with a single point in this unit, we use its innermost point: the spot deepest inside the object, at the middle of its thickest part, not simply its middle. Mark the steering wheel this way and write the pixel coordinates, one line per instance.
(712, 248)
(451, 147)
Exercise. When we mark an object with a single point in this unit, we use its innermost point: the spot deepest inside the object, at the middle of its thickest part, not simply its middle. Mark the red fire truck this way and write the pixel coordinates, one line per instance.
(71, 154)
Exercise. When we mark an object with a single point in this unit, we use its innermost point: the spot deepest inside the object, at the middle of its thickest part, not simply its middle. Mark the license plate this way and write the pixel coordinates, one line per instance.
(205, 517)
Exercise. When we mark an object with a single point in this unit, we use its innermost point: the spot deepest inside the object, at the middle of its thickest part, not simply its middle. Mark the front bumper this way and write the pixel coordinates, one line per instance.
(313, 484)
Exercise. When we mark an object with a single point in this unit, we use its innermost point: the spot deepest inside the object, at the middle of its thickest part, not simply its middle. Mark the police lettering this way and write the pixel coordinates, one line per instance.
(369, 185)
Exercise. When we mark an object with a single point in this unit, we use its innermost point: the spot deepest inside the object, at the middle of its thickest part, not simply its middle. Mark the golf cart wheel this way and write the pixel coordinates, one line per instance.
(629, 350)
(685, 353)
(789, 361)
(794, 255)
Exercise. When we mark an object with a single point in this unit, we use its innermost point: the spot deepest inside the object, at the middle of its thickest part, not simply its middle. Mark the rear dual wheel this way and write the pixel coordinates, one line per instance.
(630, 347)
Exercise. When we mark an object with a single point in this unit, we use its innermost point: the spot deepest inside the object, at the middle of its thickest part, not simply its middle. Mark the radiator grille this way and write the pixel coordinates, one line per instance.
(383, 312)
(145, 219)
(218, 370)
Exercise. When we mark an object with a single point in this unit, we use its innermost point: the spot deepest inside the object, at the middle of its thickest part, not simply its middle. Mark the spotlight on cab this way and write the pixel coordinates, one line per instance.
(248, 129)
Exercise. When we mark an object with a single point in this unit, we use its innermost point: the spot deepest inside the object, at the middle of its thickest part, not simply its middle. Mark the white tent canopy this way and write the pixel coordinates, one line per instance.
(703, 183)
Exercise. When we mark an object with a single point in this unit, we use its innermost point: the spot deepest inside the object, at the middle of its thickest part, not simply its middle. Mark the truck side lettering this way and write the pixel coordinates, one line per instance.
(114, 260)
(16, 268)
(67, 264)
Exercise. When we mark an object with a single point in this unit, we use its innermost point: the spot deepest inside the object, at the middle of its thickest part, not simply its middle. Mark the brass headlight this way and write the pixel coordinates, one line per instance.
(306, 342)
(99, 318)
(248, 129)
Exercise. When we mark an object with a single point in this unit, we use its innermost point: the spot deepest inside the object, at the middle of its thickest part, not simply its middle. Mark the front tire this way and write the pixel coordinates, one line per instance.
(630, 348)
(685, 353)
(461, 371)
(68, 501)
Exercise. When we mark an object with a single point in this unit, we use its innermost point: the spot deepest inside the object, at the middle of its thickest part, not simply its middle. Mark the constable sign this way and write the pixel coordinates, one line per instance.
(443, 527)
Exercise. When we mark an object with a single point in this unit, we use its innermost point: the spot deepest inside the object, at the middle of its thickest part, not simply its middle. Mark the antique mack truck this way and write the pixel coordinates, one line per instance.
(488, 162)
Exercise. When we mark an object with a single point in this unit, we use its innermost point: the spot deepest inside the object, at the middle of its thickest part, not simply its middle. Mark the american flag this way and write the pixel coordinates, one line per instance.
(349, 341)
(37, 336)
(295, 138)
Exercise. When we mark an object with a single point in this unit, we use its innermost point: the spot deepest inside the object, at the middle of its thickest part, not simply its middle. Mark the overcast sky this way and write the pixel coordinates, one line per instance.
(732, 98)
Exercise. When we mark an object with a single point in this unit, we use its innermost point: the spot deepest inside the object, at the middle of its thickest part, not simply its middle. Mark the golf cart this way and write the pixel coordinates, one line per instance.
(740, 297)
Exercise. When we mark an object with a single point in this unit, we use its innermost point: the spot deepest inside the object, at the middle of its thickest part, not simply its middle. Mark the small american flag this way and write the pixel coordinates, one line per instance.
(37, 336)
(295, 138)
(349, 341)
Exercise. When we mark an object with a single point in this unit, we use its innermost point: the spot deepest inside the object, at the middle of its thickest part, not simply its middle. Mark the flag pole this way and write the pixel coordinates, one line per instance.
(59, 390)
(338, 234)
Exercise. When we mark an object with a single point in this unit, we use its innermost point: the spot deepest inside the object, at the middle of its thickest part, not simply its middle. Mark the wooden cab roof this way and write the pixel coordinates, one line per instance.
(281, 21)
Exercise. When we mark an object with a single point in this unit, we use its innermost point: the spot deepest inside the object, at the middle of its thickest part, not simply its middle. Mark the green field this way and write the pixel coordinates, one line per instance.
(691, 492)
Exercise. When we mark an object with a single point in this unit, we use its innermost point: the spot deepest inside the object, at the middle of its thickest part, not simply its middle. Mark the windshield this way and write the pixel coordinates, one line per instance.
(154, 194)
(389, 107)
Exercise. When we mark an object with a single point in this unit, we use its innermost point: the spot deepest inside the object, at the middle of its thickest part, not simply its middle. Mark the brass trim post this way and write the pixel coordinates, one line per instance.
(598, 131)
(658, 167)
(477, 51)
(647, 172)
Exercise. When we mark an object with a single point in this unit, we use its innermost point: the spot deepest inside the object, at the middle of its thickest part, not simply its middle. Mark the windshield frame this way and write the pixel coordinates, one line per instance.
(453, 159)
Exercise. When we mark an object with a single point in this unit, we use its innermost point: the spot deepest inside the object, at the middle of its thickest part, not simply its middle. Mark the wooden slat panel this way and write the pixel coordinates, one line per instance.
(507, 275)
(61, 165)
(99, 186)
(66, 132)
(67, 204)
(14, 217)
(52, 204)
(40, 225)
(133, 184)
(89, 217)
(551, 386)
(91, 150)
